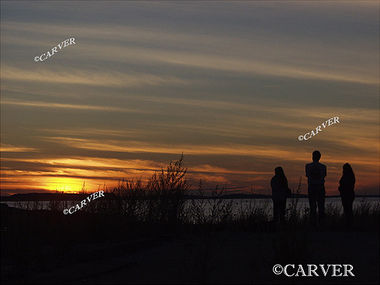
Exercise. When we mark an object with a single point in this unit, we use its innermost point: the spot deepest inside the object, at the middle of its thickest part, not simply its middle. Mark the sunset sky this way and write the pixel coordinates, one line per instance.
(230, 84)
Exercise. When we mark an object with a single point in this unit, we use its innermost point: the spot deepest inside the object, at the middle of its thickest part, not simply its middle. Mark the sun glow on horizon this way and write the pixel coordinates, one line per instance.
(62, 184)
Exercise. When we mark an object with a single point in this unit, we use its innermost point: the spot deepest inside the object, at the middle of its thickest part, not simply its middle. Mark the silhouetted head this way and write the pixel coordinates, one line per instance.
(347, 170)
(279, 171)
(316, 156)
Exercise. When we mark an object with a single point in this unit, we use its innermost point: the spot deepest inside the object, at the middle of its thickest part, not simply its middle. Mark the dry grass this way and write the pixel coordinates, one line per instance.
(162, 200)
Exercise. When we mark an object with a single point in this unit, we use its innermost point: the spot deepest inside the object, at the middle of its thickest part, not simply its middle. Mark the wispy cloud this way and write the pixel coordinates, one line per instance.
(13, 148)
(231, 85)
(87, 77)
(223, 149)
(40, 104)
(262, 54)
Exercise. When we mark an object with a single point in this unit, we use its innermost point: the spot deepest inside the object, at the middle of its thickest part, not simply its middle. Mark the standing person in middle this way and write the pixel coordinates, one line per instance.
(280, 191)
(316, 173)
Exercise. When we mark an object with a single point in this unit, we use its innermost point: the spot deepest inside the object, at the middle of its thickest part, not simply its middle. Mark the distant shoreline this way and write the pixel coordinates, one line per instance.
(73, 197)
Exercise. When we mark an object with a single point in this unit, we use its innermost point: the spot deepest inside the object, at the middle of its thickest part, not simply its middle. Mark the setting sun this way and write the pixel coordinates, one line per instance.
(68, 185)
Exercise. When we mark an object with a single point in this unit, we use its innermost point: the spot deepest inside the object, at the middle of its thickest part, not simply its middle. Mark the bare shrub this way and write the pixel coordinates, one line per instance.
(166, 193)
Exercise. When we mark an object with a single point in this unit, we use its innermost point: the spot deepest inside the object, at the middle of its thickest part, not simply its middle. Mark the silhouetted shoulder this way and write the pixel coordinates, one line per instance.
(308, 165)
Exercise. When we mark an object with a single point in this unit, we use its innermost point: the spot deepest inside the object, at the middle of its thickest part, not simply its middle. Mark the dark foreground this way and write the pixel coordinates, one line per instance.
(47, 247)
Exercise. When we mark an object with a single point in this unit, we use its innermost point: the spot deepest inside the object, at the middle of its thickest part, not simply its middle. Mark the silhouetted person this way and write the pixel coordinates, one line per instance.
(316, 173)
(280, 191)
(346, 189)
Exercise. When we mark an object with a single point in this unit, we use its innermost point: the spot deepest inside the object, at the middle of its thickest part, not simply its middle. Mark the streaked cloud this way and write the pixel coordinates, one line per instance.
(229, 84)
(87, 78)
(13, 148)
(66, 106)
(227, 149)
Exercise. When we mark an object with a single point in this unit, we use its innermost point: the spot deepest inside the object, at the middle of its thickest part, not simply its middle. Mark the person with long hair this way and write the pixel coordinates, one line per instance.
(280, 191)
(347, 193)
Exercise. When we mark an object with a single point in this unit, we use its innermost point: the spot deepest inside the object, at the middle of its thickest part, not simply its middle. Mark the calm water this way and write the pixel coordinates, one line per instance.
(266, 205)
(238, 206)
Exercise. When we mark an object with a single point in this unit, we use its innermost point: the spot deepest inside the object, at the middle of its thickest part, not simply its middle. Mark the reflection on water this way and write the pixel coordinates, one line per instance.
(237, 206)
